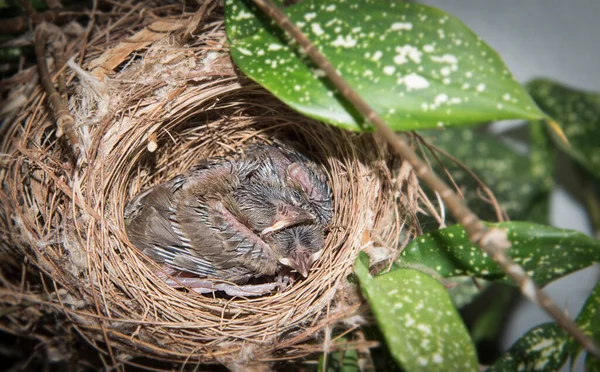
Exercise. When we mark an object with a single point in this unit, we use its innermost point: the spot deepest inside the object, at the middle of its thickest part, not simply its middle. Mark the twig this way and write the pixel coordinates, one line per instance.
(54, 4)
(493, 241)
(197, 21)
(58, 51)
(27, 8)
(500, 215)
(22, 23)
(88, 31)
(64, 121)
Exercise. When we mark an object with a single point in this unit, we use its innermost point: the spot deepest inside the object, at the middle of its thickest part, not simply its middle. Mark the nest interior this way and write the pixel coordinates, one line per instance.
(144, 114)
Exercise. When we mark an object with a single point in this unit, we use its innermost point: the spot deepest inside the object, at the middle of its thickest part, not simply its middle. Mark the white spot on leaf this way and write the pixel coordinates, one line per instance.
(316, 29)
(389, 70)
(310, 16)
(347, 42)
(244, 51)
(413, 82)
(376, 56)
(402, 26)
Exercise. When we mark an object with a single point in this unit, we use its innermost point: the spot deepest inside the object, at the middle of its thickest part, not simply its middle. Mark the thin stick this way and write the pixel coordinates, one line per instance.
(64, 121)
(480, 184)
(493, 241)
(197, 21)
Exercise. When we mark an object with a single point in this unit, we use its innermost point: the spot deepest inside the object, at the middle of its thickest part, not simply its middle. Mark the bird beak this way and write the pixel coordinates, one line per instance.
(301, 265)
(293, 216)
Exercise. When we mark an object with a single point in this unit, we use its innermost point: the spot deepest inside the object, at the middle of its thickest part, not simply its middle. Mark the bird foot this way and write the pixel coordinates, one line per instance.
(247, 290)
(200, 285)
(284, 279)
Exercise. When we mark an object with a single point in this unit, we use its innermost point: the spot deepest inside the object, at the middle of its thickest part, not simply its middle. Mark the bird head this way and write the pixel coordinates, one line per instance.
(300, 246)
(301, 260)
(313, 182)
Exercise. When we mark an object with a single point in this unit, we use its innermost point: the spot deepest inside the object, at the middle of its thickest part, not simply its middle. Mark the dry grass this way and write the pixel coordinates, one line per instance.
(65, 250)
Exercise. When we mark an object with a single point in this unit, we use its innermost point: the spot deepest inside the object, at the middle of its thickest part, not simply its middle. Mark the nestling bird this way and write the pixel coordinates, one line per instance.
(192, 224)
(234, 219)
(296, 171)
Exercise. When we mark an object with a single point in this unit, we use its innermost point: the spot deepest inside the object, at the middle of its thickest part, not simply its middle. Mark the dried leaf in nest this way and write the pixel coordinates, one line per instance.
(187, 104)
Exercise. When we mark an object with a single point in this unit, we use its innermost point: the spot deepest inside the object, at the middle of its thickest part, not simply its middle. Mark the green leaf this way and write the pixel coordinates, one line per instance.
(507, 173)
(589, 317)
(591, 364)
(547, 347)
(542, 154)
(546, 253)
(578, 112)
(340, 361)
(421, 326)
(542, 160)
(417, 66)
(588, 320)
(544, 348)
(243, 19)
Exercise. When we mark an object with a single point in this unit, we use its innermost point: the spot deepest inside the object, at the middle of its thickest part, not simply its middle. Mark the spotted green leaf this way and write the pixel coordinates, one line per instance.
(544, 348)
(421, 326)
(546, 253)
(243, 19)
(591, 364)
(462, 289)
(542, 154)
(507, 173)
(547, 347)
(578, 113)
(588, 320)
(417, 66)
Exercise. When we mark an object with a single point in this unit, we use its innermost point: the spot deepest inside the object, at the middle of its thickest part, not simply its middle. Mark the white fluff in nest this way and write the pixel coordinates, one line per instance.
(90, 105)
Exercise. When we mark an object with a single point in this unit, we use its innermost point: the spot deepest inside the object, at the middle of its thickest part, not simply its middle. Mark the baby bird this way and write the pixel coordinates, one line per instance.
(192, 224)
(296, 171)
(232, 219)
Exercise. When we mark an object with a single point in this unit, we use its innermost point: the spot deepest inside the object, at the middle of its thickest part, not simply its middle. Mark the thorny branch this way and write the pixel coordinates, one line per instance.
(492, 241)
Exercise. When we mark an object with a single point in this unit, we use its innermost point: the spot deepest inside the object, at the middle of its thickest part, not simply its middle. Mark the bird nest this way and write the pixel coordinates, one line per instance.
(147, 107)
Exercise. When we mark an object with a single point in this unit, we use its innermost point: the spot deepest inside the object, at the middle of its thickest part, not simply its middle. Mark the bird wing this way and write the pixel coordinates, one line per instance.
(153, 229)
(153, 226)
(221, 238)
